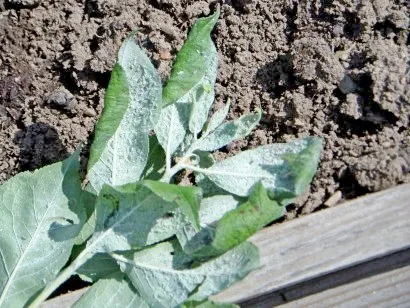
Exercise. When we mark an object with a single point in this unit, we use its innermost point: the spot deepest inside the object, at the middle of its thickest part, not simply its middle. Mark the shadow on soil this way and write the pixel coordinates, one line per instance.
(40, 145)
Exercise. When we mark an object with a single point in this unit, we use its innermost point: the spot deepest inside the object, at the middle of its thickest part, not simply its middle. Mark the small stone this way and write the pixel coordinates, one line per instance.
(347, 85)
(89, 112)
(165, 55)
(338, 30)
(15, 114)
(334, 199)
(353, 106)
(62, 99)
(117, 25)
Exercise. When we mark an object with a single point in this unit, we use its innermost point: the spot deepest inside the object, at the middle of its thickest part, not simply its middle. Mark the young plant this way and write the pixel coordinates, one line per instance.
(138, 236)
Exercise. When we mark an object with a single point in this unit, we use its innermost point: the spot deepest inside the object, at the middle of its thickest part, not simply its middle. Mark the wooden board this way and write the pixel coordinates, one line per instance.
(337, 279)
(327, 241)
(390, 289)
(321, 243)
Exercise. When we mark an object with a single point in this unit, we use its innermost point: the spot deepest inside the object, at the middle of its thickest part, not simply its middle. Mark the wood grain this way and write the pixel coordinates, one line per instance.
(391, 289)
(336, 279)
(327, 241)
(321, 243)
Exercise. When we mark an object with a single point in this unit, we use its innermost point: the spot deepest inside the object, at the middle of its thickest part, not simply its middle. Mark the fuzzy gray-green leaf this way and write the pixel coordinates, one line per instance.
(40, 215)
(119, 155)
(172, 126)
(125, 217)
(114, 291)
(228, 132)
(164, 278)
(188, 198)
(135, 215)
(100, 266)
(202, 96)
(285, 169)
(217, 118)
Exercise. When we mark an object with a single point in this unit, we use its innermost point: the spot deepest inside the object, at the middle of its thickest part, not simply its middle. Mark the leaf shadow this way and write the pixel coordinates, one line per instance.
(66, 226)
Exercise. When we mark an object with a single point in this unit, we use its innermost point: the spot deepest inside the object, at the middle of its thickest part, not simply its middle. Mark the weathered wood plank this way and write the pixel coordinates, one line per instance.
(391, 289)
(324, 242)
(327, 241)
(320, 284)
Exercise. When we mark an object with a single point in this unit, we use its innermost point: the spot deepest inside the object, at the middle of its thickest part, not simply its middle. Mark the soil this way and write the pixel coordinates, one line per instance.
(338, 69)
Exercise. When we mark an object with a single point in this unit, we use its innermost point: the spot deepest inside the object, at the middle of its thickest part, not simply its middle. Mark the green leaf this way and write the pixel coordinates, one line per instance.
(100, 266)
(172, 127)
(115, 291)
(228, 132)
(236, 225)
(40, 216)
(188, 198)
(116, 103)
(202, 96)
(156, 160)
(136, 215)
(212, 209)
(207, 304)
(120, 151)
(217, 118)
(192, 60)
(125, 216)
(215, 207)
(163, 276)
(284, 169)
(209, 188)
(88, 201)
(206, 159)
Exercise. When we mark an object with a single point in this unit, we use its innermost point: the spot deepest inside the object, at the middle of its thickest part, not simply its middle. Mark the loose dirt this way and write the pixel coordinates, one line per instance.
(337, 69)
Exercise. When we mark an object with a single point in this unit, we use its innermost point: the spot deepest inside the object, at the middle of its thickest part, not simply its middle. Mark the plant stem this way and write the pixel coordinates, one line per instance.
(83, 257)
(171, 171)
(166, 178)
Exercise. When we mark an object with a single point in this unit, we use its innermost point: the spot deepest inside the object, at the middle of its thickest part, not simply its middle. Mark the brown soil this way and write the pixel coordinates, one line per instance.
(337, 69)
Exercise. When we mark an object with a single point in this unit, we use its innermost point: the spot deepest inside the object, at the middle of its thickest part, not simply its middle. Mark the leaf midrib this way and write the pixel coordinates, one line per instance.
(212, 171)
(190, 272)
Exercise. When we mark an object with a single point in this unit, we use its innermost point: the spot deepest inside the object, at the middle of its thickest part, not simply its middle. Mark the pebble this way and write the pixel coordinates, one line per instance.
(61, 98)
(334, 199)
(347, 85)
(89, 112)
(165, 55)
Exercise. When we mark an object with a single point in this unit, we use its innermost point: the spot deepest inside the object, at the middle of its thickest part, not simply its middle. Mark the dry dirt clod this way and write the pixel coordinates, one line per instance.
(62, 99)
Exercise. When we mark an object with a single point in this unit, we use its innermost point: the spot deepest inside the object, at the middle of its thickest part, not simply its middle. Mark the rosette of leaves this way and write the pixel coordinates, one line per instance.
(140, 237)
